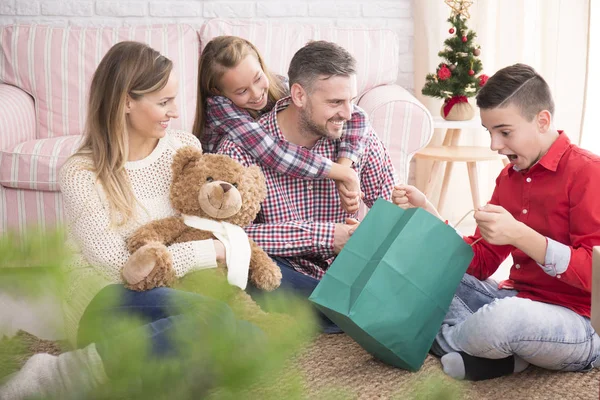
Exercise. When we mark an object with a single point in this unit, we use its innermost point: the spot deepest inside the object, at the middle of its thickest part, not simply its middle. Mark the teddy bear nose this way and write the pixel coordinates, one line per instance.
(225, 187)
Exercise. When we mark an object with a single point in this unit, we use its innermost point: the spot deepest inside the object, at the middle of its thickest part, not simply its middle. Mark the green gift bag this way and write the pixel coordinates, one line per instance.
(391, 285)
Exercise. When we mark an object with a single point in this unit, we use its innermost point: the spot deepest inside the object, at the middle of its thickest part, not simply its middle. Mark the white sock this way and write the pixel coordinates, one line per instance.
(69, 375)
(464, 366)
(520, 364)
(453, 365)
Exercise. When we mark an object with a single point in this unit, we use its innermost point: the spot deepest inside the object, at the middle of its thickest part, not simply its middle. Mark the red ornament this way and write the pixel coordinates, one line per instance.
(483, 79)
(444, 73)
(471, 72)
(464, 39)
(451, 30)
(476, 52)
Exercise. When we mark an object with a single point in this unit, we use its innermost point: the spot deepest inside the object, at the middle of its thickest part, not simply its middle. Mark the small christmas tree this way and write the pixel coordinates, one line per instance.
(457, 77)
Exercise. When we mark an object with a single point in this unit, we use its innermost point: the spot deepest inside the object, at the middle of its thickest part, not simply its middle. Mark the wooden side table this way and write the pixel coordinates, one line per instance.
(450, 152)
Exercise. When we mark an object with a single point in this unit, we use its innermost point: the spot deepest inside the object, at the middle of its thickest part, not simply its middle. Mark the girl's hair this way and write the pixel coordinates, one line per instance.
(219, 55)
(128, 69)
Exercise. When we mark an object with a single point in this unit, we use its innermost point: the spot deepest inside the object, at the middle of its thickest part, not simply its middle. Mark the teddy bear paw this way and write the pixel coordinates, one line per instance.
(269, 278)
(151, 259)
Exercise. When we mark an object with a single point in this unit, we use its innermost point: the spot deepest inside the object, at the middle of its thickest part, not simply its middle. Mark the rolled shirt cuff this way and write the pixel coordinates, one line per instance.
(558, 257)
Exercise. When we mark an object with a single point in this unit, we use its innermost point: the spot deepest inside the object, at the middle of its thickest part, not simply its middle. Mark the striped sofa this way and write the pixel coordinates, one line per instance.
(45, 73)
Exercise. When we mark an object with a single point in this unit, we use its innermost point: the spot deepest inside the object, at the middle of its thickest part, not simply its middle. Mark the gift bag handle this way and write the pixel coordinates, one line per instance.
(462, 219)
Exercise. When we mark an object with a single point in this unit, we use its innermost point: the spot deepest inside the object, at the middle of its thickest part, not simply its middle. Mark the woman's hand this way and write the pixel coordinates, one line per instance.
(220, 251)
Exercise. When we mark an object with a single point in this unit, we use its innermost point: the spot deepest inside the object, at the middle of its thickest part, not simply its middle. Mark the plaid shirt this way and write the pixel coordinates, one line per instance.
(297, 219)
(225, 120)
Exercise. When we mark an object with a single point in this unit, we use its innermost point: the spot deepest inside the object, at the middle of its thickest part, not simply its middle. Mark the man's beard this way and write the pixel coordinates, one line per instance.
(307, 125)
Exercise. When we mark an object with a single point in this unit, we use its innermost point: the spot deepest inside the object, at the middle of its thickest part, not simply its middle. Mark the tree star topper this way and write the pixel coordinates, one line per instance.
(460, 7)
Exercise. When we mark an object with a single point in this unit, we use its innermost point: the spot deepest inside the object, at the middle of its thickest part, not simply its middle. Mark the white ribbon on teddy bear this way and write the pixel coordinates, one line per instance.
(232, 237)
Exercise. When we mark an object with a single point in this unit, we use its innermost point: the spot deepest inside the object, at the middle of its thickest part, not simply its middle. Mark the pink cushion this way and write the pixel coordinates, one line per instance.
(35, 164)
(55, 65)
(376, 50)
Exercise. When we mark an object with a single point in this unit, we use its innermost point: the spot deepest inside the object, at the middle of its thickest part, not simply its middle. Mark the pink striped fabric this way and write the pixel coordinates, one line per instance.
(402, 123)
(17, 116)
(45, 73)
(55, 65)
(21, 209)
(35, 164)
(376, 50)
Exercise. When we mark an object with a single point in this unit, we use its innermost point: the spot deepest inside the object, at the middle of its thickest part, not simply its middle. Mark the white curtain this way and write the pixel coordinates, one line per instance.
(590, 137)
(549, 35)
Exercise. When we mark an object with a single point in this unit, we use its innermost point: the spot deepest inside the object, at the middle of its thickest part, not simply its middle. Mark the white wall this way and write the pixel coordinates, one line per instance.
(393, 14)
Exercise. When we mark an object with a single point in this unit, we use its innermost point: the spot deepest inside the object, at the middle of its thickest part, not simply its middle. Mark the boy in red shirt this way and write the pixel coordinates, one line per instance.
(545, 213)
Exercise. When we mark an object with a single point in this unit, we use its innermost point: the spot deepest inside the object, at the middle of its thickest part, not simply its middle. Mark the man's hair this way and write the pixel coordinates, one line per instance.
(520, 85)
(318, 59)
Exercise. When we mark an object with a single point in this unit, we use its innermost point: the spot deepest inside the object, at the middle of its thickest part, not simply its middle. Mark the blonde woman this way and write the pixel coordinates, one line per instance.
(117, 181)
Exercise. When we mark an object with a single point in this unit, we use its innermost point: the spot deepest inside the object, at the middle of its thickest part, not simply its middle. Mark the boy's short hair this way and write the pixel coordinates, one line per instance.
(317, 59)
(520, 85)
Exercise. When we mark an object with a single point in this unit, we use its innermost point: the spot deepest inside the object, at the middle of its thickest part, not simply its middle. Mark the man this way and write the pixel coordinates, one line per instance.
(301, 224)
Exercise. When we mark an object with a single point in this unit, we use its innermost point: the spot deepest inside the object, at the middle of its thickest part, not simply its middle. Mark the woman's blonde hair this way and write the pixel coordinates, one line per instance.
(219, 55)
(128, 69)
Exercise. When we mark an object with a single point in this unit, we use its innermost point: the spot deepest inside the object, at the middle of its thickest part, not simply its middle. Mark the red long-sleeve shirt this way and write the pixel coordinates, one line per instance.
(558, 198)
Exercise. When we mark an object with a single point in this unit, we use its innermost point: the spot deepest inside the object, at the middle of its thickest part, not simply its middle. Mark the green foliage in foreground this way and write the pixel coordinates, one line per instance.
(253, 358)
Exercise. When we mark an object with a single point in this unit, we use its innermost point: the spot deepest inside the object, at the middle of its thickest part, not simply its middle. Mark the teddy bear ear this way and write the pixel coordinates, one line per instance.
(184, 157)
(258, 181)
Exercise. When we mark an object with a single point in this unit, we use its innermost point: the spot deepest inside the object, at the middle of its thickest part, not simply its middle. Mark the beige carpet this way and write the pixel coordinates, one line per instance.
(336, 360)
(336, 367)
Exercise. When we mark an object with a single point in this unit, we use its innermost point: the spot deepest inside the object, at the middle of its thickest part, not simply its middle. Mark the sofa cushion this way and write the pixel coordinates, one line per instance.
(56, 64)
(35, 164)
(376, 50)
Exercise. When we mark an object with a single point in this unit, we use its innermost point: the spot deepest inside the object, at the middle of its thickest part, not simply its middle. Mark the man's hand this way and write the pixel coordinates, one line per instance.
(220, 251)
(342, 233)
(498, 226)
(407, 196)
(349, 190)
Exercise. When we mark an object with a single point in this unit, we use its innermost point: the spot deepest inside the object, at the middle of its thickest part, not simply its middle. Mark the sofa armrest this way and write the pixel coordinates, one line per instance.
(402, 123)
(17, 116)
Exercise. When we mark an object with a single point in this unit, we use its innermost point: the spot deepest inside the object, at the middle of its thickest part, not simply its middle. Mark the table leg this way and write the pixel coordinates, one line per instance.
(451, 139)
(433, 178)
(436, 168)
(445, 184)
(474, 180)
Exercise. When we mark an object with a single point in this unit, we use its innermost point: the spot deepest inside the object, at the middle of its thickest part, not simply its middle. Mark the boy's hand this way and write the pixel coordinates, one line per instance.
(407, 196)
(497, 226)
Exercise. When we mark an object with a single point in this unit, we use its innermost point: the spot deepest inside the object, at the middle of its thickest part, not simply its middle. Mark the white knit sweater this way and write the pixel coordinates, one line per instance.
(100, 250)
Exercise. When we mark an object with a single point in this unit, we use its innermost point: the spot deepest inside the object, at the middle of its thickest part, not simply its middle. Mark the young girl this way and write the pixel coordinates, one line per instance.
(117, 181)
(235, 87)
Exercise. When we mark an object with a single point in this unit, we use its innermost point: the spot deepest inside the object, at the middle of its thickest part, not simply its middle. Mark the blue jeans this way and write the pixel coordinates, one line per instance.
(297, 283)
(488, 322)
(160, 313)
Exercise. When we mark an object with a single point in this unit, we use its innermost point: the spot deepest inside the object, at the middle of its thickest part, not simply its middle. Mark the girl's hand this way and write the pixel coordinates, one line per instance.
(349, 190)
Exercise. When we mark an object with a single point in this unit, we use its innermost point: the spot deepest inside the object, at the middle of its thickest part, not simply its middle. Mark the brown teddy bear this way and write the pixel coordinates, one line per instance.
(215, 196)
